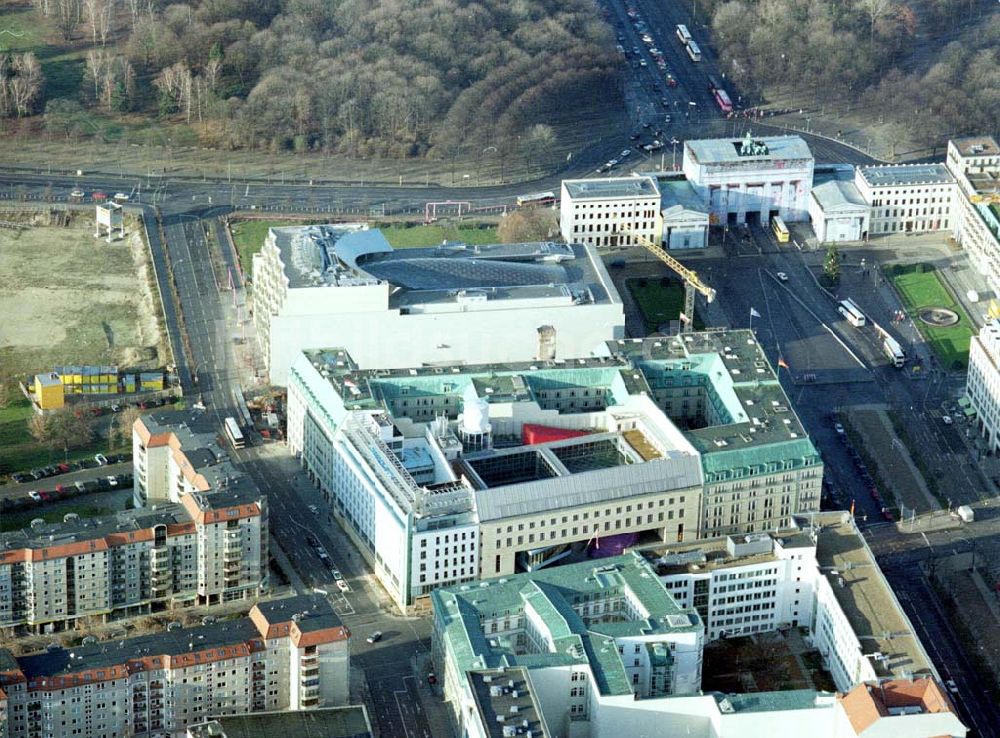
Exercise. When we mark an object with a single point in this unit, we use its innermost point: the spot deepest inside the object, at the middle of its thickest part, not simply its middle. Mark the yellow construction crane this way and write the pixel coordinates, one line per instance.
(692, 283)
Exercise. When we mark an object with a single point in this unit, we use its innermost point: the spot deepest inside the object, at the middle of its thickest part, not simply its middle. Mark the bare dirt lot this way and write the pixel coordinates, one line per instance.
(68, 298)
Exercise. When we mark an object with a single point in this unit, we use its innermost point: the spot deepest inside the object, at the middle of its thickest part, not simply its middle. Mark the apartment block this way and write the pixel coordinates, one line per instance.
(449, 474)
(290, 654)
(203, 550)
(907, 198)
(975, 164)
(610, 211)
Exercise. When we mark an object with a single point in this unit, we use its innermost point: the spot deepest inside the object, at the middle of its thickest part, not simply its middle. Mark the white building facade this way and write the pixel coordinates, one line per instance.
(741, 179)
(975, 164)
(318, 286)
(983, 381)
(838, 212)
(610, 212)
(907, 198)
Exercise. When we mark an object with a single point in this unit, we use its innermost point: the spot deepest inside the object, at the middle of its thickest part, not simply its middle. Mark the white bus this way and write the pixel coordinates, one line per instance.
(683, 35)
(536, 198)
(234, 433)
(693, 51)
(894, 351)
(852, 313)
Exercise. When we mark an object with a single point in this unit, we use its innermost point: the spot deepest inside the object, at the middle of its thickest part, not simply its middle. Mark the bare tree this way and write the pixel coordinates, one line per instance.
(97, 63)
(175, 83)
(527, 225)
(26, 84)
(69, 428)
(5, 104)
(124, 422)
(38, 427)
(68, 16)
(211, 74)
(99, 14)
(875, 10)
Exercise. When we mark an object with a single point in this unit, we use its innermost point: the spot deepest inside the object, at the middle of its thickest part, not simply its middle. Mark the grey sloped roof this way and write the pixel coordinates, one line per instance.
(677, 471)
(425, 273)
(838, 195)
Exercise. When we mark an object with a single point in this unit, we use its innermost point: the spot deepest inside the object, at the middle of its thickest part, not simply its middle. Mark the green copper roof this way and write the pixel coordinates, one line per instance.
(556, 597)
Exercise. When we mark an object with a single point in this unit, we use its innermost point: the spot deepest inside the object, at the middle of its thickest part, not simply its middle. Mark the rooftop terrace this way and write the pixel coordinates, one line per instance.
(903, 175)
(611, 188)
(977, 146)
(505, 699)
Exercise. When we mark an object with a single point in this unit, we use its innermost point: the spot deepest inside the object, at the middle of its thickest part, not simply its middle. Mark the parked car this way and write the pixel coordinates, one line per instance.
(312, 540)
(946, 419)
(35, 495)
(101, 459)
(375, 637)
(432, 678)
(343, 586)
(952, 687)
(63, 468)
(314, 510)
(782, 276)
(21, 477)
(839, 428)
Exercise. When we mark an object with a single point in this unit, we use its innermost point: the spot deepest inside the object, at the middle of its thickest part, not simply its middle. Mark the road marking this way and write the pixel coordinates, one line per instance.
(399, 706)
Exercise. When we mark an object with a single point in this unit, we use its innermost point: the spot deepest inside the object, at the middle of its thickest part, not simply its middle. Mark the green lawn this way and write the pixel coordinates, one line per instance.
(20, 452)
(921, 290)
(28, 30)
(659, 303)
(249, 235)
(401, 237)
(16, 521)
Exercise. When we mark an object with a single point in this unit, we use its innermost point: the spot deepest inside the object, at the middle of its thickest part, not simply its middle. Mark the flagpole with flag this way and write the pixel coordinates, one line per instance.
(753, 314)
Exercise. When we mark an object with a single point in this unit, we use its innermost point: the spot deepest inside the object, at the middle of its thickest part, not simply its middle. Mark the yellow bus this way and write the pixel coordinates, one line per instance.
(780, 229)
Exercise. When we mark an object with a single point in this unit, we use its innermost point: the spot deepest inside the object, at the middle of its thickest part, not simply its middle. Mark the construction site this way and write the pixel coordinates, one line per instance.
(70, 298)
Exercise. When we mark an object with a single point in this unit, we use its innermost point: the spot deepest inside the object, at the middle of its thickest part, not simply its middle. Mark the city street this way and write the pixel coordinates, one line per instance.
(365, 609)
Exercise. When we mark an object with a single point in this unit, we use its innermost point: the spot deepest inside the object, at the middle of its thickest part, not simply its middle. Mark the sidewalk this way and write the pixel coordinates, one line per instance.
(435, 709)
(281, 558)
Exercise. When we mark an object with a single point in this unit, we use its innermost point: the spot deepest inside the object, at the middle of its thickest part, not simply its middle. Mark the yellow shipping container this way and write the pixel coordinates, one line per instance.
(49, 391)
